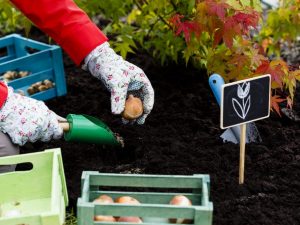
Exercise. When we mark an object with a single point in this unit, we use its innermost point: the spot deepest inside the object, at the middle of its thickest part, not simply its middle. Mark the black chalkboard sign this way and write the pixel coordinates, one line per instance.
(245, 101)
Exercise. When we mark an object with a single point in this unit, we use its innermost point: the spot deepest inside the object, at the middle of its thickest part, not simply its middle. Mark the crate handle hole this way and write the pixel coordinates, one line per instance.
(3, 52)
(31, 50)
(26, 166)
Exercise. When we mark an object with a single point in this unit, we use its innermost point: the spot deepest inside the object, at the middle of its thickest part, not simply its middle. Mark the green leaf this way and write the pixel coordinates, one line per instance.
(235, 4)
(191, 6)
(133, 15)
(243, 4)
(123, 48)
(27, 26)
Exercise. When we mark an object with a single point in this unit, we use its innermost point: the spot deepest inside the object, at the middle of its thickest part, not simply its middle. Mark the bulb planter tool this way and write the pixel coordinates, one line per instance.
(88, 129)
(232, 134)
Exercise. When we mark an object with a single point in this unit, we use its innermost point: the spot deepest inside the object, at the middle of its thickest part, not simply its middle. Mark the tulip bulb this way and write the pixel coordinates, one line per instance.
(133, 108)
(104, 199)
(127, 200)
(180, 200)
(130, 219)
(102, 218)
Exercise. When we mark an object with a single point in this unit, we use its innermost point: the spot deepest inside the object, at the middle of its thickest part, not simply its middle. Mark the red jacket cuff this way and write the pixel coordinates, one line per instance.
(88, 37)
(3, 93)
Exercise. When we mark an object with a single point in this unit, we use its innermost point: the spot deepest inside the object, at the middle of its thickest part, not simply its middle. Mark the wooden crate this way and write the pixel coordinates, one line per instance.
(38, 195)
(153, 191)
(43, 61)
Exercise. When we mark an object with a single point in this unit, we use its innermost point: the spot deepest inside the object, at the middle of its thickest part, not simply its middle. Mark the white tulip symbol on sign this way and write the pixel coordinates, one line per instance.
(242, 108)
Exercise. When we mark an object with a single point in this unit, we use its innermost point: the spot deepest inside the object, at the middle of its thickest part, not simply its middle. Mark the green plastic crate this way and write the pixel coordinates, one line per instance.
(153, 191)
(39, 195)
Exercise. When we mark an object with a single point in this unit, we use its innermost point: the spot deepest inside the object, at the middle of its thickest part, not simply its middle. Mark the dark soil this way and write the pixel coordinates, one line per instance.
(182, 136)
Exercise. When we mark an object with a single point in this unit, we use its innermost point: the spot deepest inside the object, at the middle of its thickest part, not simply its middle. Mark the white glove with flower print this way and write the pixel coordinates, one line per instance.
(120, 78)
(26, 119)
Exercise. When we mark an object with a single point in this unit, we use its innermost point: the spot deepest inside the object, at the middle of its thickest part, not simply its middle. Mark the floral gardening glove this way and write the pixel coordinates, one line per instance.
(120, 78)
(26, 119)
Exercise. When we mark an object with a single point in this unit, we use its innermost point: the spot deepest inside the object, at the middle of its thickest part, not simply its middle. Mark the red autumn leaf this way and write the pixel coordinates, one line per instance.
(217, 8)
(256, 57)
(190, 27)
(218, 36)
(218, 28)
(237, 25)
(276, 73)
(263, 68)
(231, 29)
(175, 20)
(239, 60)
(275, 100)
(185, 27)
(247, 20)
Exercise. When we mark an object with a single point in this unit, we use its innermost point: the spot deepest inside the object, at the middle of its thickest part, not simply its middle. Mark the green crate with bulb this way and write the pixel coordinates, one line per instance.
(37, 195)
(151, 199)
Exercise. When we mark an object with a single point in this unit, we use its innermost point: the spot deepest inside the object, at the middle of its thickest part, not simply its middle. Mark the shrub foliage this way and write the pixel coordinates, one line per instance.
(221, 36)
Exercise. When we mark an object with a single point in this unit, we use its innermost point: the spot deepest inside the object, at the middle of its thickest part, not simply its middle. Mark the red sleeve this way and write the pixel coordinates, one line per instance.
(3, 93)
(65, 23)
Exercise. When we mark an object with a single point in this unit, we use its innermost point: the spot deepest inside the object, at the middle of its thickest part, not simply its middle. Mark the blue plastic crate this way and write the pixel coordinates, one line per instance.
(43, 61)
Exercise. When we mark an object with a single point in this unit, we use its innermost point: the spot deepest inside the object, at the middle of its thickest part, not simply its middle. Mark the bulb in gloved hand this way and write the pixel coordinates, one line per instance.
(133, 108)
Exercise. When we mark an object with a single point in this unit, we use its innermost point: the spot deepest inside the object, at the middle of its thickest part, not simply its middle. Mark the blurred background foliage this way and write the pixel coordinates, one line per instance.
(235, 38)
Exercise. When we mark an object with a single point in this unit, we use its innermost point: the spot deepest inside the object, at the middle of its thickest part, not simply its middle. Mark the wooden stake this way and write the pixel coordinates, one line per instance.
(242, 153)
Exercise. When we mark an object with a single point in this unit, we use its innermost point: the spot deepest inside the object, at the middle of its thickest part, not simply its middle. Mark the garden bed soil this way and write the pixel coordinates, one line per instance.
(182, 136)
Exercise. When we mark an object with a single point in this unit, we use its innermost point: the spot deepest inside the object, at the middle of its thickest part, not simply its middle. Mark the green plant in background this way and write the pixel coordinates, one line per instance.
(150, 24)
(216, 35)
(210, 34)
(231, 50)
(11, 19)
(224, 41)
(282, 24)
(143, 23)
(281, 31)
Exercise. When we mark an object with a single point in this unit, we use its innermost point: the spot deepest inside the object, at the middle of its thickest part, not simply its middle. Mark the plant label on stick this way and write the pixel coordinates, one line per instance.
(243, 102)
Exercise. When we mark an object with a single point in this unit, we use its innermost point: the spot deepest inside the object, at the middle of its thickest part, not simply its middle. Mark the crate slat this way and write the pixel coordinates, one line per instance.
(123, 223)
(152, 181)
(145, 210)
(149, 197)
(6, 58)
(7, 41)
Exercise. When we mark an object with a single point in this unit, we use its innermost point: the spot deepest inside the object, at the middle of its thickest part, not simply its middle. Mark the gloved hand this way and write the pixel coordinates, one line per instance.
(120, 78)
(25, 119)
